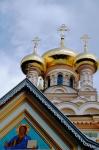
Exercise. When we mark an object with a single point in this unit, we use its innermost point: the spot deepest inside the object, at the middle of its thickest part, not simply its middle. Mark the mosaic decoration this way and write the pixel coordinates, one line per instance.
(23, 136)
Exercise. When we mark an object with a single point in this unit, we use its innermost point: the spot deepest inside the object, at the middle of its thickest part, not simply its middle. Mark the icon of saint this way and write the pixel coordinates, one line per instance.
(19, 141)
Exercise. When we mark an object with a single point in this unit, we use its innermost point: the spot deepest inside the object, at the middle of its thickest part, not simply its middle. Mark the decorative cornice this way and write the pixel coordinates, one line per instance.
(26, 84)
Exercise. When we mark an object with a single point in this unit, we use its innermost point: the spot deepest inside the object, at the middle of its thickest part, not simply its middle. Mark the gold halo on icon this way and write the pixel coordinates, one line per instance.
(25, 125)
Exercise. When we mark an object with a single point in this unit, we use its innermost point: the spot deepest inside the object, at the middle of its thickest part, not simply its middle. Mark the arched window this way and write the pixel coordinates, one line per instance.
(48, 79)
(71, 81)
(60, 79)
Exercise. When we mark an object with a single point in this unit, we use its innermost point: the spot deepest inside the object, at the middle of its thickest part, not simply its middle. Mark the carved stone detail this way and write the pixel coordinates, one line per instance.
(86, 78)
(32, 74)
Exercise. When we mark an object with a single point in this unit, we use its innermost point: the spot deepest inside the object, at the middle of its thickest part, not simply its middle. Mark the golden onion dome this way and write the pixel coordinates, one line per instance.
(62, 55)
(86, 58)
(59, 56)
(35, 60)
(82, 56)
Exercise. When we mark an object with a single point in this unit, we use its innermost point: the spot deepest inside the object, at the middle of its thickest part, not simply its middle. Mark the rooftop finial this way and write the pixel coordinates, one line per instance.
(85, 39)
(62, 29)
(36, 40)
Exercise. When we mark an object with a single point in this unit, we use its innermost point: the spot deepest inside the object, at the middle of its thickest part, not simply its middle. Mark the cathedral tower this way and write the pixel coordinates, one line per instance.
(33, 65)
(67, 81)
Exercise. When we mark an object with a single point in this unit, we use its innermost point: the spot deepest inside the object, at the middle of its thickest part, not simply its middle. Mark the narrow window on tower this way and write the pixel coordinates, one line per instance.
(60, 79)
(71, 81)
(48, 79)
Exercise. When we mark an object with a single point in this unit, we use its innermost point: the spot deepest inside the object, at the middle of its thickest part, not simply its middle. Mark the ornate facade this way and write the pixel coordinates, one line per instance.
(58, 86)
(68, 82)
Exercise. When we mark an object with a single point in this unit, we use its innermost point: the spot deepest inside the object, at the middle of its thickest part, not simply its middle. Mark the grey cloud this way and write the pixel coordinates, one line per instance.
(21, 20)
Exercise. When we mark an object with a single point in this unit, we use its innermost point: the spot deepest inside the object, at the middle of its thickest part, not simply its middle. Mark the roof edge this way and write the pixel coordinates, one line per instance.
(63, 119)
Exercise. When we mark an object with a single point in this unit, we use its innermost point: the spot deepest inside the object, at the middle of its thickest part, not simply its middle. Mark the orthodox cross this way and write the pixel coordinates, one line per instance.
(85, 39)
(36, 41)
(62, 29)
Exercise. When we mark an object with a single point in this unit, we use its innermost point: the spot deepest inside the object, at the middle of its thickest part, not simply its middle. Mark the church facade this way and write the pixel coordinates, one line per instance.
(56, 107)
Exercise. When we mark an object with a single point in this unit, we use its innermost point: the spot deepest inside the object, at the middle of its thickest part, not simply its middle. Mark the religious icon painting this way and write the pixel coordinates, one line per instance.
(23, 136)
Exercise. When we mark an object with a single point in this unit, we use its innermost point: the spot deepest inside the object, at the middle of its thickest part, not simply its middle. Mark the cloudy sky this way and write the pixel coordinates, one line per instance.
(22, 20)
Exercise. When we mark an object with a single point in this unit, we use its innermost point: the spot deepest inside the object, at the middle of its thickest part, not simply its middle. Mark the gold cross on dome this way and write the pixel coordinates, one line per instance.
(62, 29)
(85, 39)
(36, 41)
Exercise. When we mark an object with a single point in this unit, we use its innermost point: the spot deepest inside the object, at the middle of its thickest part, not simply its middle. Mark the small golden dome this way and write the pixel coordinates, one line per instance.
(59, 56)
(86, 58)
(35, 60)
(84, 55)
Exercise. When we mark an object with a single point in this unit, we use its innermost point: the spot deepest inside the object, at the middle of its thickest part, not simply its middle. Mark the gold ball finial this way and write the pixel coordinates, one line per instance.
(35, 41)
(85, 39)
(62, 29)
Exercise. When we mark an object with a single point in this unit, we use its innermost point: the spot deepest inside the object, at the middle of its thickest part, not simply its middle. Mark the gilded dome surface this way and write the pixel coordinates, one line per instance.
(85, 56)
(36, 61)
(58, 51)
(32, 57)
(59, 56)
